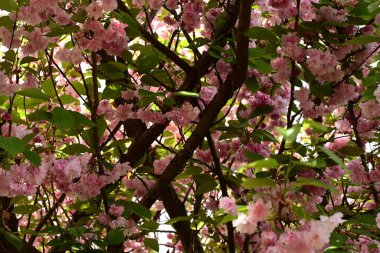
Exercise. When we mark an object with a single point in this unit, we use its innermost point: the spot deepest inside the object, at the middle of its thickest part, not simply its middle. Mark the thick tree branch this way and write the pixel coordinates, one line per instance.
(226, 91)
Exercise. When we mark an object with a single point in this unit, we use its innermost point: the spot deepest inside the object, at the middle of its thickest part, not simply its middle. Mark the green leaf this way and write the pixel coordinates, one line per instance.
(338, 239)
(299, 211)
(62, 30)
(321, 90)
(262, 110)
(290, 134)
(48, 87)
(251, 183)
(253, 156)
(252, 84)
(152, 244)
(40, 115)
(317, 127)
(28, 59)
(63, 118)
(362, 39)
(147, 61)
(76, 149)
(150, 225)
(261, 33)
(261, 66)
(186, 94)
(6, 22)
(351, 150)
(12, 145)
(260, 164)
(33, 157)
(367, 219)
(112, 70)
(81, 119)
(34, 93)
(302, 181)
(333, 156)
(178, 219)
(25, 209)
(115, 236)
(12, 239)
(138, 209)
(80, 16)
(8, 5)
(262, 135)
(315, 163)
(207, 183)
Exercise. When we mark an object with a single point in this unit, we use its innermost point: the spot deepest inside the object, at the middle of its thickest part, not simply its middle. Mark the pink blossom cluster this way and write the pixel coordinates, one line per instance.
(184, 115)
(140, 186)
(39, 10)
(312, 237)
(191, 15)
(9, 41)
(73, 177)
(73, 55)
(7, 88)
(324, 66)
(160, 165)
(180, 116)
(115, 220)
(228, 205)
(21, 179)
(342, 94)
(290, 48)
(255, 101)
(113, 39)
(209, 21)
(309, 108)
(370, 109)
(19, 131)
(358, 174)
(37, 41)
(282, 68)
(331, 14)
(257, 212)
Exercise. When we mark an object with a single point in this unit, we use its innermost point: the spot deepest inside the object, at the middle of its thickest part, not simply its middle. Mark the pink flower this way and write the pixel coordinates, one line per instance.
(258, 211)
(155, 4)
(324, 65)
(282, 68)
(109, 5)
(116, 210)
(245, 224)
(377, 93)
(172, 4)
(330, 14)
(124, 112)
(290, 47)
(378, 220)
(377, 19)
(160, 165)
(228, 205)
(370, 109)
(95, 10)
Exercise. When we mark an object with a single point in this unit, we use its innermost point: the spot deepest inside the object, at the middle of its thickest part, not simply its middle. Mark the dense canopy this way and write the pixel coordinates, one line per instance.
(190, 126)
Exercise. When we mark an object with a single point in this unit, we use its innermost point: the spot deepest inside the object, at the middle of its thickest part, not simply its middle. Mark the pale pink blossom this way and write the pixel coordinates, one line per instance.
(228, 205)
(258, 211)
(160, 165)
(244, 224)
(370, 109)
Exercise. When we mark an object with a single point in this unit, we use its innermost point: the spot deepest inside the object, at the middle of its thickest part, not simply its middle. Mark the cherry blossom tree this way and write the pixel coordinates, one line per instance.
(190, 126)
